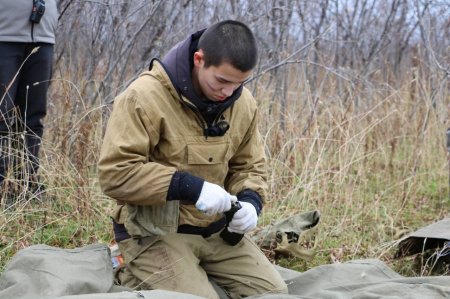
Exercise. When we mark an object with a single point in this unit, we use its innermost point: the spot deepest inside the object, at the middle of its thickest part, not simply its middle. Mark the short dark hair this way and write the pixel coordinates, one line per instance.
(229, 41)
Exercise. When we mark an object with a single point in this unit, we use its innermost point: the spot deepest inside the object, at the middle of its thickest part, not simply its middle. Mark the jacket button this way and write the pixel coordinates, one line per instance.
(210, 159)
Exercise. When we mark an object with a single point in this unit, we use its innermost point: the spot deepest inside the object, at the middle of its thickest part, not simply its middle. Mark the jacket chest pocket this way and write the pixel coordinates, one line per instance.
(207, 154)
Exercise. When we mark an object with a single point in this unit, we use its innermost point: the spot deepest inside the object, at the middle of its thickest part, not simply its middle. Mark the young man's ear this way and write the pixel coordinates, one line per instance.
(198, 58)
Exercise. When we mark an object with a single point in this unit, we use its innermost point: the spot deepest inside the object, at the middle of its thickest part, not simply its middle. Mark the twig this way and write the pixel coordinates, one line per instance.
(287, 59)
(18, 71)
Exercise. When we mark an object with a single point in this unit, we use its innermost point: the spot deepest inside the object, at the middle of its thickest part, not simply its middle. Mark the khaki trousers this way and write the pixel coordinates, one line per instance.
(183, 262)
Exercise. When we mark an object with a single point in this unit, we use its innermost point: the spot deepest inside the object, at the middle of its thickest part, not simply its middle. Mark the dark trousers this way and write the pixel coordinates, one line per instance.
(24, 81)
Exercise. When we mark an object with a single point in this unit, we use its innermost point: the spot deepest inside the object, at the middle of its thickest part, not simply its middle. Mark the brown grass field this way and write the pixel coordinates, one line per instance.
(367, 152)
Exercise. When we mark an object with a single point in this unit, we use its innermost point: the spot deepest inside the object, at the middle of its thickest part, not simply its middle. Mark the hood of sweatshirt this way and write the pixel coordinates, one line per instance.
(179, 63)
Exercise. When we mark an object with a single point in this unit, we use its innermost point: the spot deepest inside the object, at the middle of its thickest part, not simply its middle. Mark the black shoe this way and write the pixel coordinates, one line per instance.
(37, 192)
(8, 194)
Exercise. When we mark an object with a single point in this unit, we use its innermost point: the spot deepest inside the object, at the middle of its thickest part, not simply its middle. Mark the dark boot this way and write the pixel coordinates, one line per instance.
(5, 153)
(32, 147)
(7, 194)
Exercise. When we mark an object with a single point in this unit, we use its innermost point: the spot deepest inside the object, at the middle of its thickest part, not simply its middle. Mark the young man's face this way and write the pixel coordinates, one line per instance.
(216, 83)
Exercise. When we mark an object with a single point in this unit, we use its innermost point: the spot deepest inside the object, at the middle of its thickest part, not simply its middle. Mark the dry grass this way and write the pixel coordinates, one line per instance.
(371, 159)
(369, 156)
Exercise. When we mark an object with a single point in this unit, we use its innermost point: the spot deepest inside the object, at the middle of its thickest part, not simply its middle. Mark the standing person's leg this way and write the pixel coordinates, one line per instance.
(242, 270)
(32, 102)
(11, 58)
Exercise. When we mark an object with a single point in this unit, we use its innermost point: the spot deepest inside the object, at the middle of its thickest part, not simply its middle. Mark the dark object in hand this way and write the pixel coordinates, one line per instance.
(38, 11)
(230, 237)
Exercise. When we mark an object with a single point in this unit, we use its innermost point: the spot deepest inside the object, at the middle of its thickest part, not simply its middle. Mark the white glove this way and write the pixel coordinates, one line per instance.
(244, 220)
(213, 199)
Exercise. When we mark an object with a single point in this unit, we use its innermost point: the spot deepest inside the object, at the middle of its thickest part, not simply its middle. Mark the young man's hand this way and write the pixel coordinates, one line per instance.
(244, 220)
(213, 199)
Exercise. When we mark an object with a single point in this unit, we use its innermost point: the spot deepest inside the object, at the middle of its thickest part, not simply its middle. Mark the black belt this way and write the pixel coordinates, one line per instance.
(120, 232)
(205, 232)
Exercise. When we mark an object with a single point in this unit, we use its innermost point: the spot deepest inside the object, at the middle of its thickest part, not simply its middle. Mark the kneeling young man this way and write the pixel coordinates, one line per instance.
(181, 144)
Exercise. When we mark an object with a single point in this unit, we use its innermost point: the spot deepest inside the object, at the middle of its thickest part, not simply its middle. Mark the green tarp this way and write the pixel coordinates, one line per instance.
(433, 236)
(43, 272)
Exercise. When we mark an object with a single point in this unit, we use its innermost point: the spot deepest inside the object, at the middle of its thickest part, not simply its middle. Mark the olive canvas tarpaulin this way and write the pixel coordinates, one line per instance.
(44, 272)
(435, 235)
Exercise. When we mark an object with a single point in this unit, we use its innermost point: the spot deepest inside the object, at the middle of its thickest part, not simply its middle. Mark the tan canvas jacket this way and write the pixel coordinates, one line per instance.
(151, 134)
